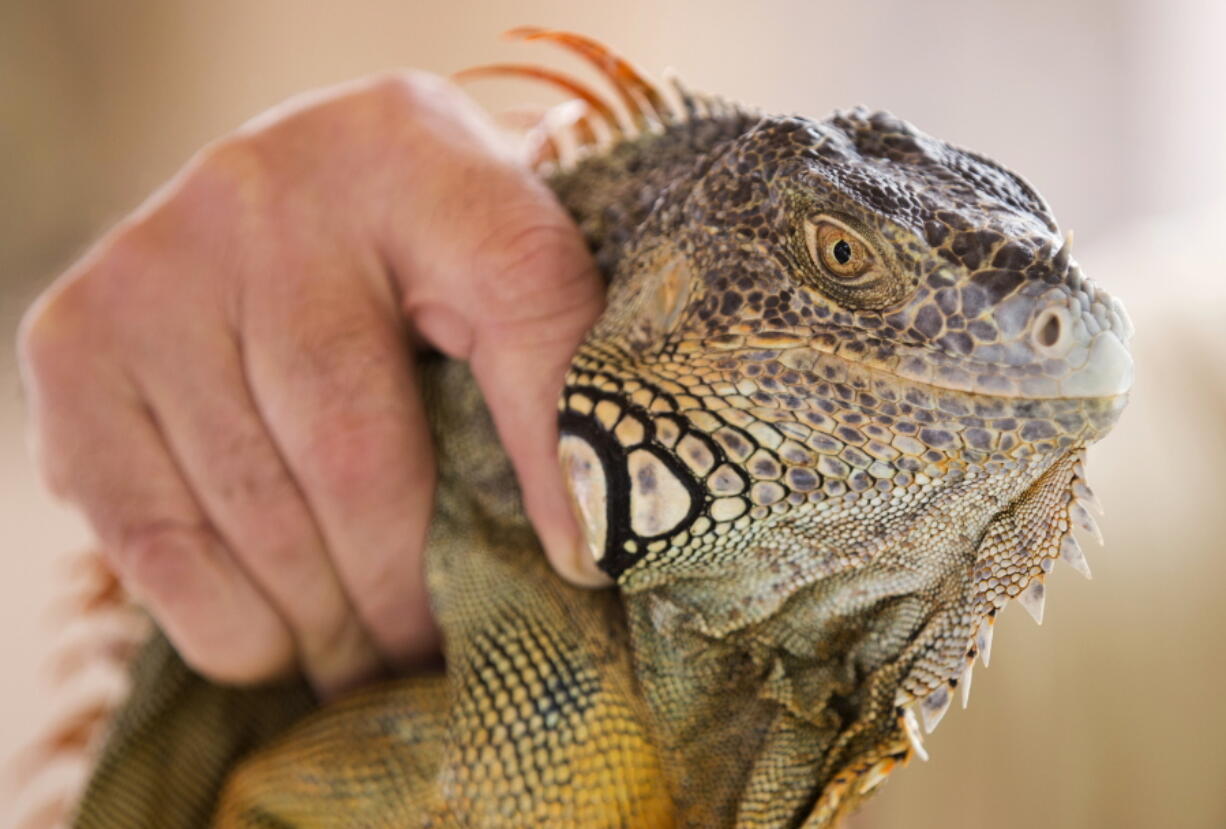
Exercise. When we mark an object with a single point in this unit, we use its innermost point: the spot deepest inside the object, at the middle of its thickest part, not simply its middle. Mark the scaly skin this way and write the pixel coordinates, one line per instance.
(831, 421)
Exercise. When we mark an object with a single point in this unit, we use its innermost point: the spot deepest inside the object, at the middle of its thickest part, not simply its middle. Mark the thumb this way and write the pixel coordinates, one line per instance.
(493, 270)
(548, 298)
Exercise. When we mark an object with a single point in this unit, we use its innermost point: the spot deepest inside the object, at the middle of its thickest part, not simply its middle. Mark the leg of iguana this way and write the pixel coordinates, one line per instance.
(173, 743)
(543, 724)
(368, 760)
(549, 727)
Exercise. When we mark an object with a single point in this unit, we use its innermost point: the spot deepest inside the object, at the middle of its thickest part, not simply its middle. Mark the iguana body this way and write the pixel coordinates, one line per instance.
(831, 421)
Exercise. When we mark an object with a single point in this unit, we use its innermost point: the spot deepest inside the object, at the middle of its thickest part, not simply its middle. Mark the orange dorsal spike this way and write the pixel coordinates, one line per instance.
(631, 85)
(74, 736)
(118, 651)
(557, 79)
(98, 593)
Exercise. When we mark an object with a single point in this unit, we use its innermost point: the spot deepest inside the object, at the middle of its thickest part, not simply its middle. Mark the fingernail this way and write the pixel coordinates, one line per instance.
(576, 554)
(574, 562)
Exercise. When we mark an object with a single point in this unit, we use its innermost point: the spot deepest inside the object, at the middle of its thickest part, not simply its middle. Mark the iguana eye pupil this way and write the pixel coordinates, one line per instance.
(840, 251)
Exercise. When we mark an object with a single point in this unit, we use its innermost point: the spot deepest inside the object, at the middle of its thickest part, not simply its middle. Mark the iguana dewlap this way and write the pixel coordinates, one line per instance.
(832, 420)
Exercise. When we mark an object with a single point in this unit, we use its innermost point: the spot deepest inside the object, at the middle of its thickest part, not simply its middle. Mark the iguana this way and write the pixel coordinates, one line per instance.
(832, 420)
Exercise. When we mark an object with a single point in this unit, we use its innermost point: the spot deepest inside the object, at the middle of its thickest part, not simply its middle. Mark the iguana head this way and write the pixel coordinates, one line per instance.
(834, 416)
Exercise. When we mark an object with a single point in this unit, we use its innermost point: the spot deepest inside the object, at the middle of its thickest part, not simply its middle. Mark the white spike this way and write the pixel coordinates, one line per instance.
(933, 707)
(559, 123)
(911, 727)
(1032, 599)
(983, 641)
(1081, 517)
(1086, 496)
(674, 93)
(1071, 552)
(964, 684)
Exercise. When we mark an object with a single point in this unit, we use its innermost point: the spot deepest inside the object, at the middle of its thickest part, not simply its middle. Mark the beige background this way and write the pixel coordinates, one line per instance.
(1109, 715)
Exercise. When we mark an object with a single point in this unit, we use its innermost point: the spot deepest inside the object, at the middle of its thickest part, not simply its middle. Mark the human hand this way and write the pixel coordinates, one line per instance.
(225, 384)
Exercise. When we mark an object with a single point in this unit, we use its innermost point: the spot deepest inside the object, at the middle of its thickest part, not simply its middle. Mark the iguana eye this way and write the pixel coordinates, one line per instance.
(838, 249)
(849, 268)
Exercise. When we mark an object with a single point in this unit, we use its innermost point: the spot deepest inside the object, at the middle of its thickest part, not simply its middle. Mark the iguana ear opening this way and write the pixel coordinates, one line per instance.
(660, 308)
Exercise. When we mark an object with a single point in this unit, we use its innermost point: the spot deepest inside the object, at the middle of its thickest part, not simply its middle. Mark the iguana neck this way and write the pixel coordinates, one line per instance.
(822, 654)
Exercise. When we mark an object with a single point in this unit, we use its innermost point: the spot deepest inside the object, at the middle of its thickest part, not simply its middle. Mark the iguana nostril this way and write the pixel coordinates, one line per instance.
(1049, 335)
(1052, 332)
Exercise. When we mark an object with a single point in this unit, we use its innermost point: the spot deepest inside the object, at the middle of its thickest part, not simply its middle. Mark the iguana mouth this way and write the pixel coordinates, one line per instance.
(1103, 369)
(1092, 367)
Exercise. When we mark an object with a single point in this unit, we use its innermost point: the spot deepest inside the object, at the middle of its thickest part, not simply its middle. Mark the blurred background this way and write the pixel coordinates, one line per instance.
(1110, 714)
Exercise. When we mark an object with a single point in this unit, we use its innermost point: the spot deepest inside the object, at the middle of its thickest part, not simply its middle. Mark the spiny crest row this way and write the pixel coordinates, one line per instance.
(561, 135)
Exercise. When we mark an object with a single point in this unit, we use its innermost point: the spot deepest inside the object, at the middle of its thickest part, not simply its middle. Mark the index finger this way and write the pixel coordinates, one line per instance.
(494, 271)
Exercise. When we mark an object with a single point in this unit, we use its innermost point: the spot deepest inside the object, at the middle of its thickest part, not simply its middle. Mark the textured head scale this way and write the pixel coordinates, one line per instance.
(831, 422)
(970, 287)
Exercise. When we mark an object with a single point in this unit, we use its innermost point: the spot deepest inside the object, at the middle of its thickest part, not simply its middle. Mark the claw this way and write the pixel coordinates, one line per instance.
(934, 706)
(640, 96)
(1032, 599)
(911, 727)
(1081, 517)
(1071, 552)
(875, 776)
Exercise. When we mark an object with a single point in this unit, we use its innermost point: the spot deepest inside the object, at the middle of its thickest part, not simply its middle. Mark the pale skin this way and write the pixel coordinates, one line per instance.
(224, 384)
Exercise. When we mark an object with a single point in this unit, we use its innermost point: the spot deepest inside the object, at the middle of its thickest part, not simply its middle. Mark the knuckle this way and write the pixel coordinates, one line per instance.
(159, 563)
(41, 334)
(246, 473)
(350, 451)
(345, 357)
(84, 310)
(543, 288)
(234, 177)
(157, 558)
(529, 253)
(284, 548)
(50, 329)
